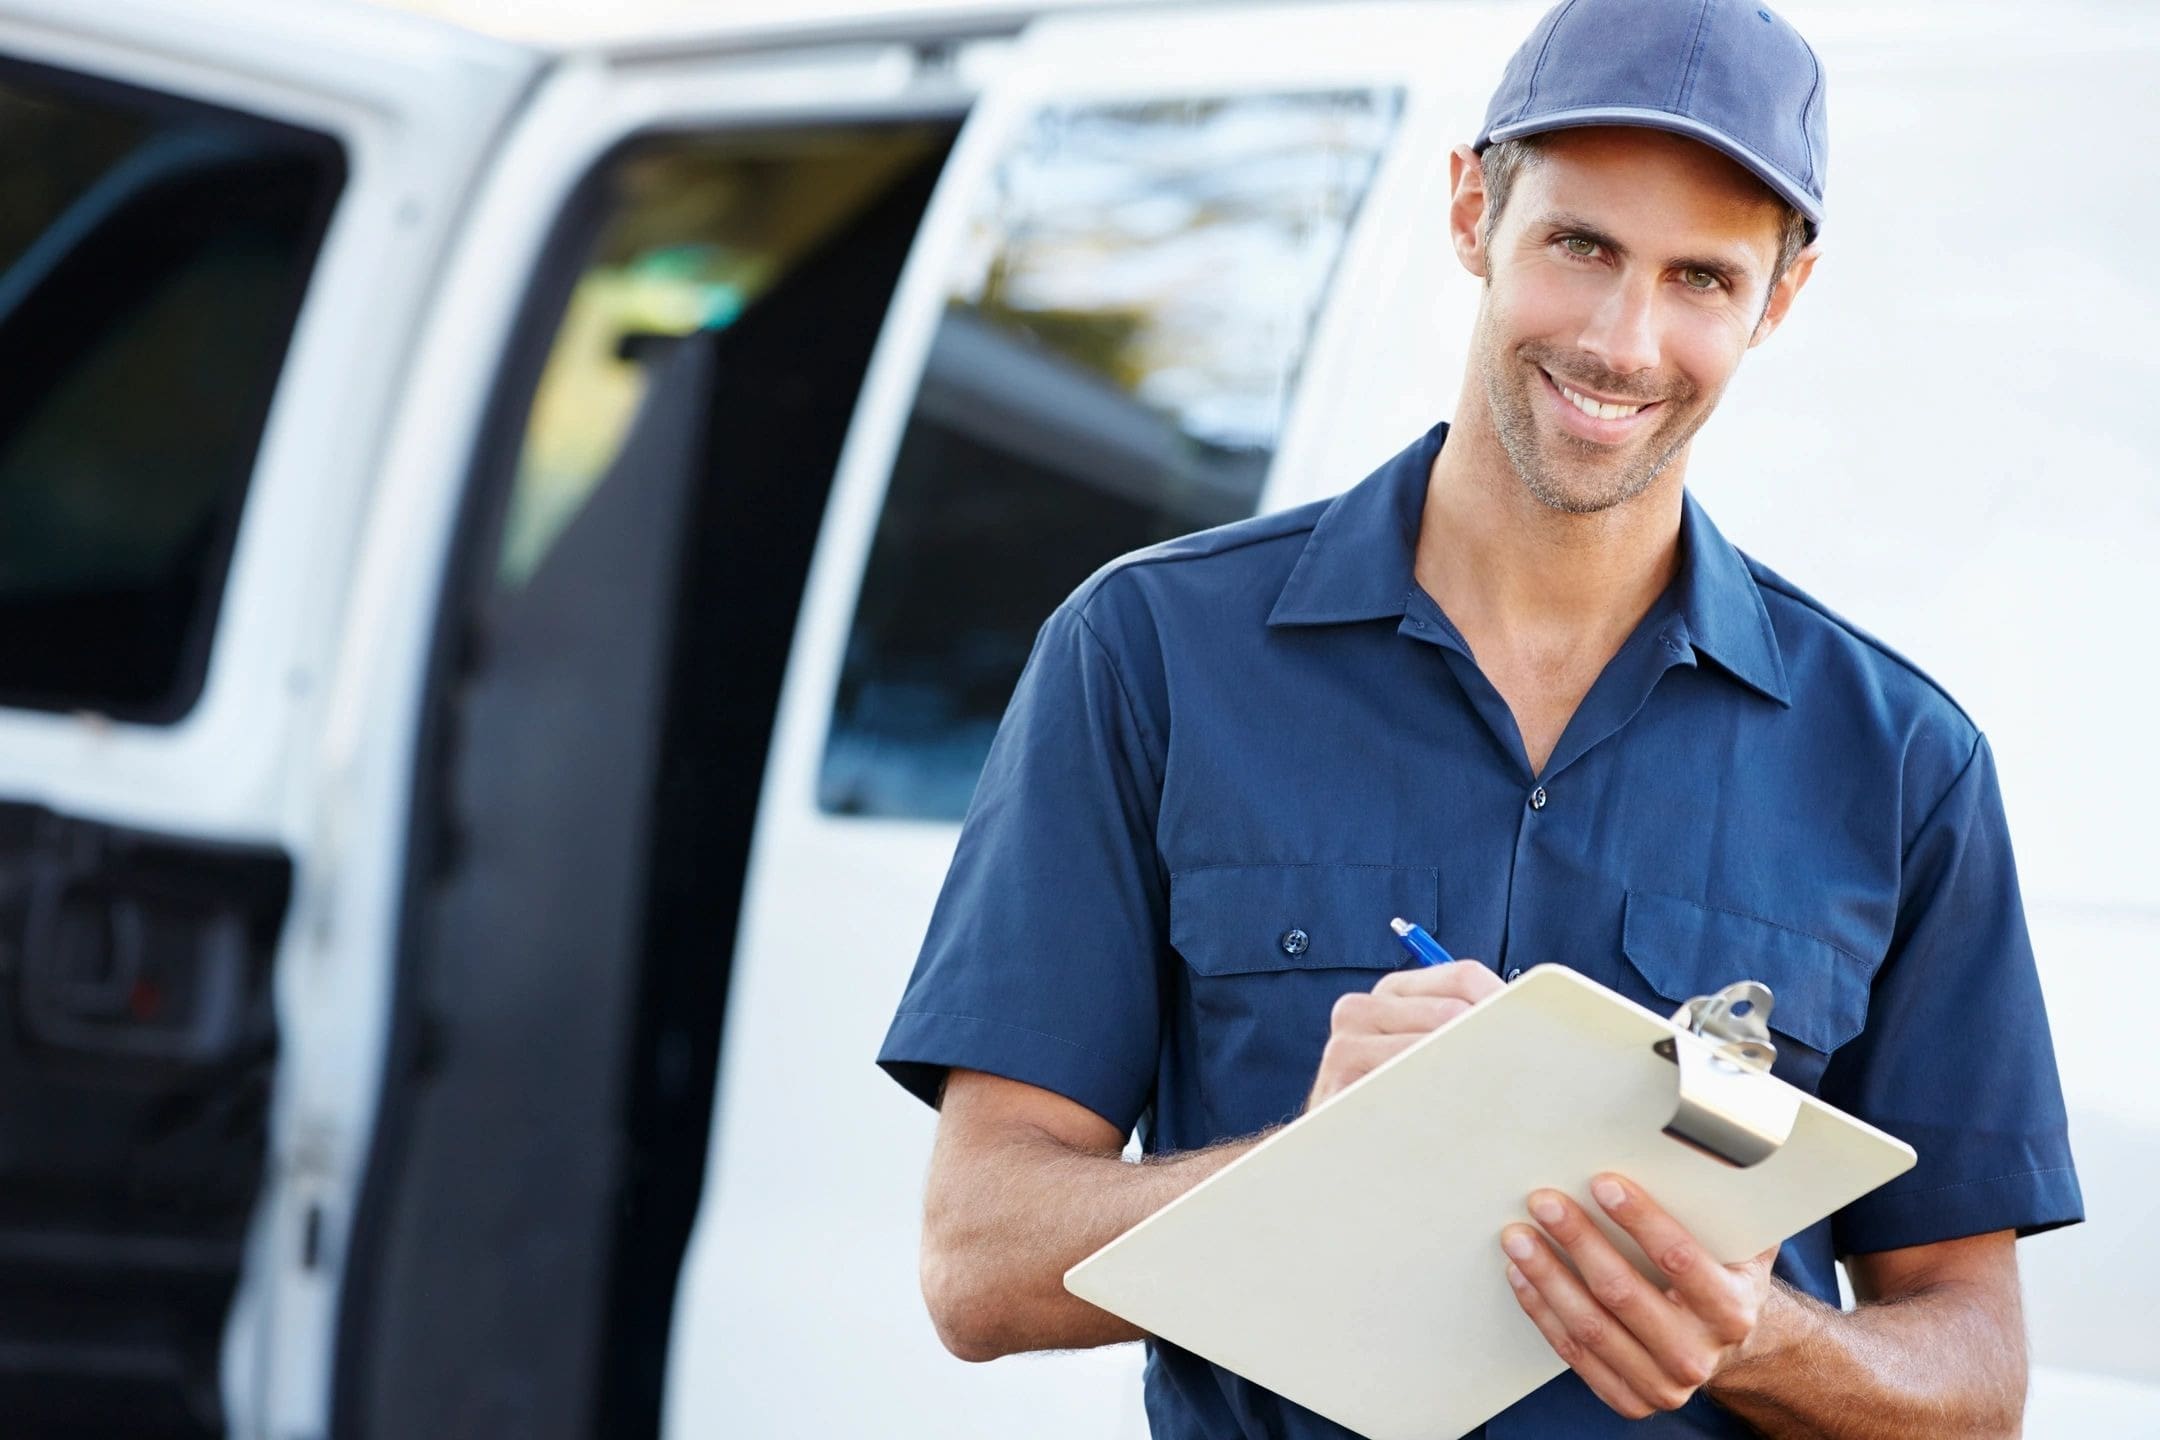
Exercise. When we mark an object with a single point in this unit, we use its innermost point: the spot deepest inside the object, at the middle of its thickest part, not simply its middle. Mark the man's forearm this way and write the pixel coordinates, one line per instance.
(996, 1250)
(1940, 1361)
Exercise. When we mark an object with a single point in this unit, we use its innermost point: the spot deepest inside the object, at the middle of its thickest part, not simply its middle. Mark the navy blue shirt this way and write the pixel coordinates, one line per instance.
(1270, 728)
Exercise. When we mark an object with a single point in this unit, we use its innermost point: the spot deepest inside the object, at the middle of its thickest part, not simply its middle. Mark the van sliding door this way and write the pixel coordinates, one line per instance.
(1103, 341)
(649, 479)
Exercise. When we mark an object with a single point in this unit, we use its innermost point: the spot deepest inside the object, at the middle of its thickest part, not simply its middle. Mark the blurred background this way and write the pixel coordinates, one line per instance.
(518, 523)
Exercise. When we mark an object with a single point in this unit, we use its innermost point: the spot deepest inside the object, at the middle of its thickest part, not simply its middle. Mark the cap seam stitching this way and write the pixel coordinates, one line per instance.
(1807, 141)
(1694, 59)
(1530, 90)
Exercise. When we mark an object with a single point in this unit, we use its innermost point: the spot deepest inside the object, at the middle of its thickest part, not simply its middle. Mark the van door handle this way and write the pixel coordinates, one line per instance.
(145, 947)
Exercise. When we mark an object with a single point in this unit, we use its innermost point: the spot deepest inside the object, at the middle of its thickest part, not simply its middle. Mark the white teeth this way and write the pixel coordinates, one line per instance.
(1597, 408)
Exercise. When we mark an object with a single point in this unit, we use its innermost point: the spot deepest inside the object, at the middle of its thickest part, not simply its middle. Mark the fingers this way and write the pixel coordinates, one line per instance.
(1585, 1332)
(1367, 1029)
(1661, 1343)
(1376, 1014)
(1356, 1054)
(1705, 1286)
(1674, 1338)
(1466, 980)
(1603, 1381)
(1350, 1057)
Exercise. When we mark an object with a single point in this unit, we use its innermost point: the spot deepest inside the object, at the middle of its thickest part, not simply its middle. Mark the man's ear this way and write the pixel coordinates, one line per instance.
(1782, 293)
(1466, 208)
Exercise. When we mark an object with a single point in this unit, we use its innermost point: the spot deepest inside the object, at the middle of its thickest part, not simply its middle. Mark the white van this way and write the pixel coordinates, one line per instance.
(512, 557)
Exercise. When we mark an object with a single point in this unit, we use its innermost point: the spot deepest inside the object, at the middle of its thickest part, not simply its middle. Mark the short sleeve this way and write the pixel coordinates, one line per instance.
(1040, 963)
(1956, 1059)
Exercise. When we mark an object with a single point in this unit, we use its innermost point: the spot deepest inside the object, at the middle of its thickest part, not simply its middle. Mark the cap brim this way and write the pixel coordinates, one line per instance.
(1788, 189)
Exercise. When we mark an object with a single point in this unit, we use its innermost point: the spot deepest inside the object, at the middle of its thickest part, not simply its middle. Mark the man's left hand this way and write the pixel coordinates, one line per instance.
(1641, 1349)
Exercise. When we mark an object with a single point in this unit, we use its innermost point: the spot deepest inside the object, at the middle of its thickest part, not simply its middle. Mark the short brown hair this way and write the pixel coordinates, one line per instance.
(1505, 159)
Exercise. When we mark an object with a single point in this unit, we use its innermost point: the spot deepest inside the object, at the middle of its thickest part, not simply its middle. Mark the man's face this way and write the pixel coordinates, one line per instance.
(1631, 268)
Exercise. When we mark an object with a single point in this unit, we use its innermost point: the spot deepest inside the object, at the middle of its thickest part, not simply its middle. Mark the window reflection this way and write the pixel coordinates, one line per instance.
(1117, 355)
(699, 228)
(153, 255)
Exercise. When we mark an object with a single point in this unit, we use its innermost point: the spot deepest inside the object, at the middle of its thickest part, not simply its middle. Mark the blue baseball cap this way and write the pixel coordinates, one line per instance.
(1729, 73)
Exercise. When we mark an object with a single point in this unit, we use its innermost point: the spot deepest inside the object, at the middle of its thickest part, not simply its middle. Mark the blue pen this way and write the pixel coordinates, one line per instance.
(1422, 946)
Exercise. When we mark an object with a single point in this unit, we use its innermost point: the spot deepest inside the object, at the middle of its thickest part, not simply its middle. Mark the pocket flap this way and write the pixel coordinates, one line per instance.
(1247, 919)
(1683, 950)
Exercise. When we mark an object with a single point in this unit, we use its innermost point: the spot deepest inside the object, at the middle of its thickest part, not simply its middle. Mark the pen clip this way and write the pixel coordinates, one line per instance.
(1727, 1107)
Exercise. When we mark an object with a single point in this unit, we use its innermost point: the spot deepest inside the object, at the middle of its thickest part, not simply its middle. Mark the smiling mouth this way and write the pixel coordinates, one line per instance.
(1598, 409)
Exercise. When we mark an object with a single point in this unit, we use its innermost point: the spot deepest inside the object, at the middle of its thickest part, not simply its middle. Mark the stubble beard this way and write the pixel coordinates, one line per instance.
(1600, 480)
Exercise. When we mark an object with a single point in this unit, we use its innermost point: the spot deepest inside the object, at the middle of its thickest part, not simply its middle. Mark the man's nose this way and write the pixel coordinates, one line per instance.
(1622, 333)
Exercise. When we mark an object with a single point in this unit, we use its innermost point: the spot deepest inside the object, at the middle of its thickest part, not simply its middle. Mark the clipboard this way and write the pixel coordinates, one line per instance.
(1351, 1261)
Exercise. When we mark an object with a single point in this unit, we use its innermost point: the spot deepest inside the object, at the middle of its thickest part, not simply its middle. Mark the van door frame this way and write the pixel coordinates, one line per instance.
(474, 371)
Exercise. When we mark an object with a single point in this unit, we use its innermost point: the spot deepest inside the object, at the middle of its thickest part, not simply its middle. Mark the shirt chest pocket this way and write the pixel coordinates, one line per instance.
(1268, 949)
(1679, 950)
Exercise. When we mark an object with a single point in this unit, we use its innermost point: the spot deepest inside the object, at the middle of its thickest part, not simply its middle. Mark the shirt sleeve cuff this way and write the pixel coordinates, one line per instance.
(2028, 1203)
(922, 1045)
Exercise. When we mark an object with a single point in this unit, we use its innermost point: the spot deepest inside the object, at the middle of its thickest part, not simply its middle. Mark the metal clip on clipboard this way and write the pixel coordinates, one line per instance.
(1727, 1107)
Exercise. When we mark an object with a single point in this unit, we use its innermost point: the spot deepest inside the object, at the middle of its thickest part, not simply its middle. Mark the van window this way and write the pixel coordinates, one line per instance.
(153, 255)
(1113, 368)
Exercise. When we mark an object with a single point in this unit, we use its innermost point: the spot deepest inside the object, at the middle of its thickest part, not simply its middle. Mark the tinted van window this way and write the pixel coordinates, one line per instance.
(153, 255)
(1113, 368)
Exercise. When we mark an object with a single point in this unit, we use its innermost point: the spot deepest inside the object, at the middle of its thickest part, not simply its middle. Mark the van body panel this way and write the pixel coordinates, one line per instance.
(395, 638)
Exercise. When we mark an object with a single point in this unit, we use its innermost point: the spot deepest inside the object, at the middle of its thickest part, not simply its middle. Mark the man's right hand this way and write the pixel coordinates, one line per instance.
(1369, 1028)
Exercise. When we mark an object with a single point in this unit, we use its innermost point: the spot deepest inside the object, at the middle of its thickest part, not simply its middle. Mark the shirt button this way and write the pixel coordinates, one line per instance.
(1514, 971)
(1537, 798)
(1294, 942)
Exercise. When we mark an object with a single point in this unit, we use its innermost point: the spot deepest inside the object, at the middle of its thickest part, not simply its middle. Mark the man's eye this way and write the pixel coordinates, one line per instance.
(1699, 279)
(1577, 245)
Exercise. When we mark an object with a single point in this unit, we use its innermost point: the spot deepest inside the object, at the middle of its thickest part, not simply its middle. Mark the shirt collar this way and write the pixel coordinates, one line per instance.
(1722, 607)
(1356, 565)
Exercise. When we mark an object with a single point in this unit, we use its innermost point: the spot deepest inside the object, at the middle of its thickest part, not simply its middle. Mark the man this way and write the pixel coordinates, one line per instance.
(1516, 687)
